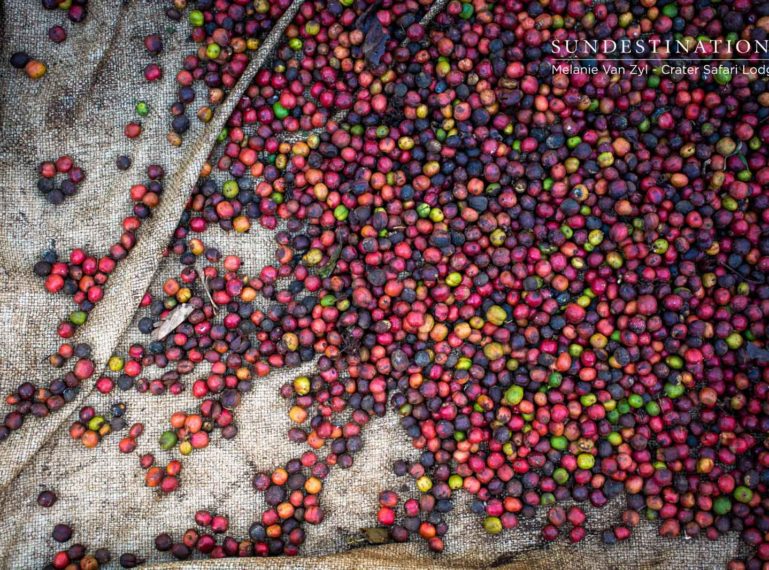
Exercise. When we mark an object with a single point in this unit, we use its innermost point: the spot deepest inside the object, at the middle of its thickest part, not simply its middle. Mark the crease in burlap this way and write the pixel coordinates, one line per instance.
(80, 108)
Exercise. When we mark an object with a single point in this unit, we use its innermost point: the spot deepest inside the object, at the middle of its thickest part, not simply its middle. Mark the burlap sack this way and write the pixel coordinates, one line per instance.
(80, 108)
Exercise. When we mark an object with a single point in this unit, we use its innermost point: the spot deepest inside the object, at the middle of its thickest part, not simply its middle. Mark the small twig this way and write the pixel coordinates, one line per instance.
(204, 281)
(733, 270)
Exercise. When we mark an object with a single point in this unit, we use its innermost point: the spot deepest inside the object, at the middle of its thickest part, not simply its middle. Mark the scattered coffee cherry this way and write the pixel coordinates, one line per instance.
(61, 533)
(46, 499)
(129, 560)
(132, 130)
(153, 72)
(57, 34)
(153, 43)
(35, 69)
(19, 59)
(123, 162)
(142, 109)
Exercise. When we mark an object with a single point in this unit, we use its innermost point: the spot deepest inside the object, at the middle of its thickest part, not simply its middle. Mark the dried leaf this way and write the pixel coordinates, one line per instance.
(363, 23)
(176, 317)
(374, 43)
(330, 265)
(757, 353)
(376, 535)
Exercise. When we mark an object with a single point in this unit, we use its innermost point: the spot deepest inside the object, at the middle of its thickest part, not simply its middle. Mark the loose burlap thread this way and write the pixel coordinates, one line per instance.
(80, 108)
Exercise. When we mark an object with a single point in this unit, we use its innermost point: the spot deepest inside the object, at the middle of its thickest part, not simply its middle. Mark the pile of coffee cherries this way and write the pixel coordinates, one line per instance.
(91, 426)
(561, 290)
(227, 34)
(558, 280)
(84, 276)
(47, 185)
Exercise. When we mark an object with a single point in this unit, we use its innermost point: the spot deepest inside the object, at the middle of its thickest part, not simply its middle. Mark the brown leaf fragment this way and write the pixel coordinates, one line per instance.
(376, 535)
(176, 317)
